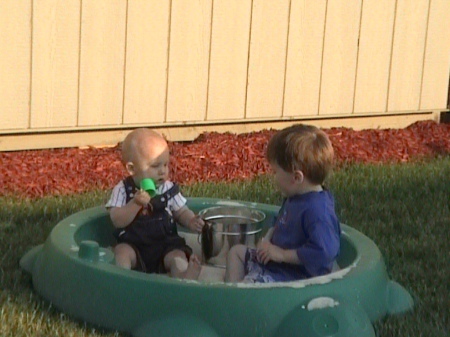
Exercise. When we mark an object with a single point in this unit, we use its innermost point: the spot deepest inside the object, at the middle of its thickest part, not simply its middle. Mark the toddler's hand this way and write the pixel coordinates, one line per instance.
(142, 198)
(196, 224)
(268, 252)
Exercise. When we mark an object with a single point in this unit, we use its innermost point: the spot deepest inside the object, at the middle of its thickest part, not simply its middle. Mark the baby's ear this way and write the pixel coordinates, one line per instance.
(130, 167)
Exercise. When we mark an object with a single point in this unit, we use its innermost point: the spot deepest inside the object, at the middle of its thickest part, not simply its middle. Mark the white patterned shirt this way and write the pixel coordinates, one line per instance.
(119, 197)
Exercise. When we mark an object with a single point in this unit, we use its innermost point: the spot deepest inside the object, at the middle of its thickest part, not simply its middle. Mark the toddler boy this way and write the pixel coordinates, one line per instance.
(305, 239)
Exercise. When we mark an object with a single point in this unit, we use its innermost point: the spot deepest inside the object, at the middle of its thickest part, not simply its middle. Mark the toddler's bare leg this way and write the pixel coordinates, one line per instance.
(235, 264)
(125, 256)
(178, 266)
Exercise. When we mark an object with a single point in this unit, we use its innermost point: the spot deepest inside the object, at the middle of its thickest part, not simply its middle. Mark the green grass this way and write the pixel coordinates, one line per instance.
(403, 208)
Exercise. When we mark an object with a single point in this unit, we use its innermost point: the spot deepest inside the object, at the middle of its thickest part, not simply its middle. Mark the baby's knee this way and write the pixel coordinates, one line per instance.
(125, 255)
(176, 258)
(181, 263)
(176, 263)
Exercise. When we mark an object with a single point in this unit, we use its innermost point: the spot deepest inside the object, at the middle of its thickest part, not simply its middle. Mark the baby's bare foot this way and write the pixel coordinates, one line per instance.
(193, 270)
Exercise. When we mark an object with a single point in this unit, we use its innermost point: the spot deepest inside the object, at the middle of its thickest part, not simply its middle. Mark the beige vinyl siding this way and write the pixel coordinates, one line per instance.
(56, 47)
(102, 62)
(340, 52)
(375, 45)
(267, 58)
(189, 50)
(435, 80)
(228, 75)
(86, 72)
(147, 42)
(15, 64)
(304, 58)
(407, 55)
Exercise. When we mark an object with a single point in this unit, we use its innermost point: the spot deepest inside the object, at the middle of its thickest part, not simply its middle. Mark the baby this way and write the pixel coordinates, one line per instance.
(146, 226)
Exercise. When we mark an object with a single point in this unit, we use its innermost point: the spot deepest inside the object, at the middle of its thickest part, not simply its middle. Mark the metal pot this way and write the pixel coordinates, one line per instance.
(226, 227)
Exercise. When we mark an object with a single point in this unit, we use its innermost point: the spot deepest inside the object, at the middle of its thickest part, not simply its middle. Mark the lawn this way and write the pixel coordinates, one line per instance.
(403, 208)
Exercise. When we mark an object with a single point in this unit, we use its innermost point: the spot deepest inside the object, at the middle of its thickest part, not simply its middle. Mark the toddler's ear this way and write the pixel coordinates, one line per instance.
(130, 167)
(299, 176)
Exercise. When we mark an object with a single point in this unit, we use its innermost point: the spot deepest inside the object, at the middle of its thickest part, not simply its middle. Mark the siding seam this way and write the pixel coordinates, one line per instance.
(321, 61)
(392, 54)
(125, 62)
(205, 118)
(30, 97)
(248, 59)
(286, 58)
(424, 54)
(79, 64)
(166, 101)
(357, 58)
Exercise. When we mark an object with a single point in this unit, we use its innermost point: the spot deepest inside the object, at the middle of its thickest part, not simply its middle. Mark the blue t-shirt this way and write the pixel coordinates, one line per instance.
(307, 223)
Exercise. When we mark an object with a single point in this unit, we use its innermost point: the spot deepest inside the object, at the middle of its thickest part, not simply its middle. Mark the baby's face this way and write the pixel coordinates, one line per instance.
(152, 162)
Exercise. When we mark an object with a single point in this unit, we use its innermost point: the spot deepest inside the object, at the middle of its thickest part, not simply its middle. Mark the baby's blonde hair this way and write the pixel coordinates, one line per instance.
(305, 148)
(136, 140)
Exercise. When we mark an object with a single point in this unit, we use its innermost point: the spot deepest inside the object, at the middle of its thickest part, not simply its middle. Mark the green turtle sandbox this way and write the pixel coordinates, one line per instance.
(74, 270)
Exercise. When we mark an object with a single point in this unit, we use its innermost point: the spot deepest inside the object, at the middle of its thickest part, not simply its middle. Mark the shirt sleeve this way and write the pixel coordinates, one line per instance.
(321, 248)
(118, 196)
(177, 201)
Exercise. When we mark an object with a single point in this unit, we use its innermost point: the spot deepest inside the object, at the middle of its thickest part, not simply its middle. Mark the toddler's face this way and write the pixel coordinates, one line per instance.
(284, 180)
(153, 162)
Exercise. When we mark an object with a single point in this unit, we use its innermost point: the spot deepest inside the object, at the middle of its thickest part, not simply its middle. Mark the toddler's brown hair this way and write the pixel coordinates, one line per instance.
(305, 148)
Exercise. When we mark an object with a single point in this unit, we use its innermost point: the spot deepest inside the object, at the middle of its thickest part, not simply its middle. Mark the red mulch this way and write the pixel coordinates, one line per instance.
(211, 157)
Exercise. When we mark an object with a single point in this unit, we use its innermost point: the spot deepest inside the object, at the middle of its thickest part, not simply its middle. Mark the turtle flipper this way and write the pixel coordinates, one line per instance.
(398, 299)
(28, 260)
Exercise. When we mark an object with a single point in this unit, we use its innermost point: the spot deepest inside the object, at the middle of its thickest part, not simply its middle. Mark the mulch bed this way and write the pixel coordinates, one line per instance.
(211, 157)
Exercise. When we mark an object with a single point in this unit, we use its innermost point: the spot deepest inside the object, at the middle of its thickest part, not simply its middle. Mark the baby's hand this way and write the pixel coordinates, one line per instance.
(268, 252)
(142, 198)
(196, 224)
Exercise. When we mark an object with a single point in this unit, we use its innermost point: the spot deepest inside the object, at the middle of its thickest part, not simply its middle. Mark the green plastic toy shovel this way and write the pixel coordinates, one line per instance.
(149, 186)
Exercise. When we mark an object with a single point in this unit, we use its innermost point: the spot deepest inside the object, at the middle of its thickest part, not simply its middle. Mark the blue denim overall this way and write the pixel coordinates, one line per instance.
(153, 233)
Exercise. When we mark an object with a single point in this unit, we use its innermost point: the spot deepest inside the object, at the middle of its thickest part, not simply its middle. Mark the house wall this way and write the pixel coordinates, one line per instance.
(85, 72)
